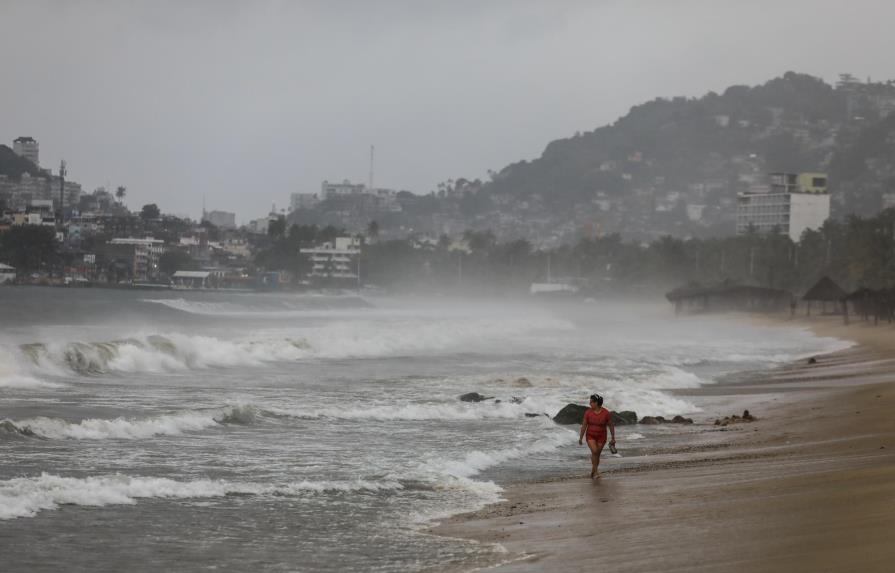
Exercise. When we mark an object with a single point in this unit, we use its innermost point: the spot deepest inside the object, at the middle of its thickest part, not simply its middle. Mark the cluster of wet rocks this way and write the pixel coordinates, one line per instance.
(574, 413)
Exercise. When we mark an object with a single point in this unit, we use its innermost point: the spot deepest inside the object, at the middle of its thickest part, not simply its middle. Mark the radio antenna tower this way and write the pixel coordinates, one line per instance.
(372, 151)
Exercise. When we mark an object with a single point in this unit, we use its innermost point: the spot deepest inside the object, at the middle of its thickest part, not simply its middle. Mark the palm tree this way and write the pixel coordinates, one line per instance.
(373, 230)
(120, 193)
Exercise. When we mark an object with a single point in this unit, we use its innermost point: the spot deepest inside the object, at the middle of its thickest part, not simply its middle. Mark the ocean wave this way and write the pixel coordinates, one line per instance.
(158, 353)
(477, 461)
(131, 429)
(253, 306)
(27, 496)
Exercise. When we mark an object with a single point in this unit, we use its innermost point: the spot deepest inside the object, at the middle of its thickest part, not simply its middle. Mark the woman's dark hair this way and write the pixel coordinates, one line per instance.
(596, 398)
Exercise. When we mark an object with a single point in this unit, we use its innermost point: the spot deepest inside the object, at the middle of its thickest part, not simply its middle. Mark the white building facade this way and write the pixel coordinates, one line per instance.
(147, 253)
(335, 260)
(793, 203)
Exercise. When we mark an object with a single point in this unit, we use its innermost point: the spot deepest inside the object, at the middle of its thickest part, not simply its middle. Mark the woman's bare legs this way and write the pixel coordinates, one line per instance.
(596, 448)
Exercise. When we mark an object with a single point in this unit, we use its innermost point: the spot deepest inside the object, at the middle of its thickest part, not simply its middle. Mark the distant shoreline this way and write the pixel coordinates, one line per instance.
(798, 490)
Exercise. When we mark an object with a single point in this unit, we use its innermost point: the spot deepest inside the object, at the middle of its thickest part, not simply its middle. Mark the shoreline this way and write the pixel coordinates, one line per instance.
(796, 490)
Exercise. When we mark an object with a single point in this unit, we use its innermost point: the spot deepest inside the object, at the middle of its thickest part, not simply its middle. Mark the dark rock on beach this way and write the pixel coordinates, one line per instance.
(574, 414)
(727, 420)
(651, 420)
(624, 418)
(570, 414)
(474, 397)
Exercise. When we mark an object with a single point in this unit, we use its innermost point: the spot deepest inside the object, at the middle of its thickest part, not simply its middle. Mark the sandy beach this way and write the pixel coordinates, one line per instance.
(808, 486)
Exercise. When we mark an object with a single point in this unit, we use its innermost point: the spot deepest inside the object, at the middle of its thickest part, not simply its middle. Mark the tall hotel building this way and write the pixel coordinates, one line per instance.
(791, 203)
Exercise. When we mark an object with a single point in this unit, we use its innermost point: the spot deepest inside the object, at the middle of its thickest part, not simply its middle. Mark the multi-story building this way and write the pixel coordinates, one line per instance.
(344, 189)
(335, 260)
(303, 201)
(28, 148)
(222, 219)
(146, 254)
(793, 203)
(19, 194)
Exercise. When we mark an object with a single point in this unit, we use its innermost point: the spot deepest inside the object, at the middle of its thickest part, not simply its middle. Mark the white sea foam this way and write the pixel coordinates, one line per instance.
(121, 428)
(136, 428)
(27, 496)
(14, 375)
(12, 380)
(336, 340)
(476, 461)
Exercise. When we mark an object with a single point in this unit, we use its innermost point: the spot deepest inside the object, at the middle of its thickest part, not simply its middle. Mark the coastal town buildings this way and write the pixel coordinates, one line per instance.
(344, 189)
(790, 204)
(336, 259)
(144, 255)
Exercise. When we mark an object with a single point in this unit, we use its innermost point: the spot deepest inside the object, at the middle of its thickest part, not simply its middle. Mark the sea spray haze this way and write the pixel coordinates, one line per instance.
(160, 431)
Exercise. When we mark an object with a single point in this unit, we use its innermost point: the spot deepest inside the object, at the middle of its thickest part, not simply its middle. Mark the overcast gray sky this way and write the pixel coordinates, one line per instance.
(247, 102)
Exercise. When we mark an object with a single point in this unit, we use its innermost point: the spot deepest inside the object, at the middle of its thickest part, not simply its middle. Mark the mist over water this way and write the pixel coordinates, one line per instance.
(283, 432)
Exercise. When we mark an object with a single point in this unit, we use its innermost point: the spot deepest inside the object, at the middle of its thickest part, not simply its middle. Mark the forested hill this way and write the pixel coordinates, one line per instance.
(14, 166)
(675, 165)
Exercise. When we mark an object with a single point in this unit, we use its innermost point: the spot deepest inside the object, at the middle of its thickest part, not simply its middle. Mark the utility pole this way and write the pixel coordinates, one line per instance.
(62, 173)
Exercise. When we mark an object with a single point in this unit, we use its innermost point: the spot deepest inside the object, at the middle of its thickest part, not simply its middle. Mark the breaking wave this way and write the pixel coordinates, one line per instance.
(27, 496)
(129, 429)
(158, 353)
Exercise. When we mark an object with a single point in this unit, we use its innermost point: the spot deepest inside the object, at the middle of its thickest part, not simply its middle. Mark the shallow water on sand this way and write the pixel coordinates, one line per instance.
(194, 431)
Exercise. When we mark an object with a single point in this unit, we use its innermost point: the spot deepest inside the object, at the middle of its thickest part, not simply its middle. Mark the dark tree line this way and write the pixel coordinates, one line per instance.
(857, 252)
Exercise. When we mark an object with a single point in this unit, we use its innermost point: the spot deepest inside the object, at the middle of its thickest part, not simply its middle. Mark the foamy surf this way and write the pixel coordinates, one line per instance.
(27, 496)
(172, 352)
(132, 428)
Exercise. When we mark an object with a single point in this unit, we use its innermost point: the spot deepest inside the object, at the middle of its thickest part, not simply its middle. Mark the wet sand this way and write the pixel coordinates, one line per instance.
(809, 486)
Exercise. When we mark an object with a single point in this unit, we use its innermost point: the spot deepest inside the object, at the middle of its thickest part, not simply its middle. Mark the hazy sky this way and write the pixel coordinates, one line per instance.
(247, 102)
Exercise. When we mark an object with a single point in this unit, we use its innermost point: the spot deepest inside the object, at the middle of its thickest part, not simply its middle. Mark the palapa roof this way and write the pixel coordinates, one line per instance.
(825, 290)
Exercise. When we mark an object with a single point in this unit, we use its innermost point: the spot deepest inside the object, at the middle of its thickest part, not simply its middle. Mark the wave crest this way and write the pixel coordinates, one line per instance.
(27, 496)
(131, 429)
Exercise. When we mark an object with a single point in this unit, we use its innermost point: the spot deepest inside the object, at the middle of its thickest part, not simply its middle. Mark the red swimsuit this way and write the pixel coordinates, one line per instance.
(596, 424)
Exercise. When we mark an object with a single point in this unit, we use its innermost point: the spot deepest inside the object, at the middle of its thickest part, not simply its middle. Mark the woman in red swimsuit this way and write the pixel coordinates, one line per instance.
(596, 419)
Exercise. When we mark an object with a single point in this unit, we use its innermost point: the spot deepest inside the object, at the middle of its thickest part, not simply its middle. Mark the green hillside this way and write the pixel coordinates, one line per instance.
(14, 166)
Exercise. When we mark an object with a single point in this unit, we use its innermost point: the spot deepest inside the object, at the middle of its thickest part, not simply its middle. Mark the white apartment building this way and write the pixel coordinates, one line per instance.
(793, 203)
(147, 253)
(344, 189)
(28, 148)
(335, 260)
